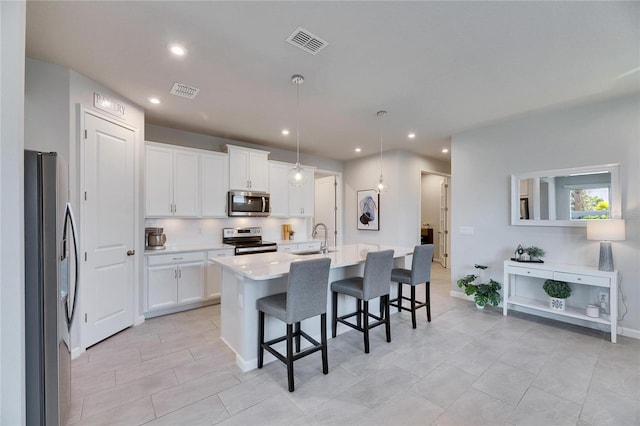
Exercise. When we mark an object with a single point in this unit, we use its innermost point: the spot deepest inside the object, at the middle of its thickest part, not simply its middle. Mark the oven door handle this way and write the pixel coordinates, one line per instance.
(264, 204)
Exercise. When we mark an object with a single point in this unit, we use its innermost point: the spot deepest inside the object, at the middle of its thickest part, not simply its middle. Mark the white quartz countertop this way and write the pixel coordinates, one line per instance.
(185, 248)
(264, 266)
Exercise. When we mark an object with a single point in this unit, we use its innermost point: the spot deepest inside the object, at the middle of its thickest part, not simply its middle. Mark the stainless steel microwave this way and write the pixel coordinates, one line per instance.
(242, 203)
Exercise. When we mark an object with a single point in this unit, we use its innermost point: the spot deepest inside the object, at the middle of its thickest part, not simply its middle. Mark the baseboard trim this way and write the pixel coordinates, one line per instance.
(76, 352)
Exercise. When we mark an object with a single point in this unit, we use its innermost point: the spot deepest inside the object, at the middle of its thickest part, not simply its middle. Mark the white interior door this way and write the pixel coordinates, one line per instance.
(325, 207)
(443, 229)
(108, 223)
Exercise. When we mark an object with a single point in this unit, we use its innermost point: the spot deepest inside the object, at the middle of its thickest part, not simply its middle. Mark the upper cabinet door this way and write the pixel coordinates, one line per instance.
(186, 184)
(159, 182)
(239, 170)
(301, 198)
(248, 169)
(215, 175)
(259, 171)
(279, 189)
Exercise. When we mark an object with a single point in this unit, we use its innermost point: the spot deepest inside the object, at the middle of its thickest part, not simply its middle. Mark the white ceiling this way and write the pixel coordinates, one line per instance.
(438, 68)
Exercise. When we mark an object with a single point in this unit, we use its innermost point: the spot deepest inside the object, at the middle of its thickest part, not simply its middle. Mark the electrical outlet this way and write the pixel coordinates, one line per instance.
(603, 300)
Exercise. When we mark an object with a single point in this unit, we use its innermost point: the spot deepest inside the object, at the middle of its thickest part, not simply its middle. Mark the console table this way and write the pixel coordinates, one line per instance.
(581, 275)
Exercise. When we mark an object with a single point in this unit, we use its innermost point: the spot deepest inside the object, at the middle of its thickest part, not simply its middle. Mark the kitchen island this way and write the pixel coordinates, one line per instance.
(245, 279)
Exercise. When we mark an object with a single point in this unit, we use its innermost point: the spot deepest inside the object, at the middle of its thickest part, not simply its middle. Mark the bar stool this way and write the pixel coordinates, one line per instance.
(420, 273)
(374, 283)
(306, 297)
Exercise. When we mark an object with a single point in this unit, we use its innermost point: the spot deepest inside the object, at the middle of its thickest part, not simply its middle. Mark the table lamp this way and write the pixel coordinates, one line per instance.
(605, 231)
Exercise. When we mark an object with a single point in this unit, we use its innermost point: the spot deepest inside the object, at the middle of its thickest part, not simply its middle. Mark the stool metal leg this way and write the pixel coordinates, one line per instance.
(334, 313)
(365, 318)
(260, 339)
(413, 305)
(399, 297)
(387, 318)
(323, 339)
(290, 356)
(428, 300)
(297, 334)
(359, 311)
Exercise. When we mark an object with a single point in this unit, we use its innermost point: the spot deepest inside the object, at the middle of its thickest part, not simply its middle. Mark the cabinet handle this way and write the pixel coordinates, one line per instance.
(131, 252)
(179, 273)
(176, 258)
(171, 208)
(579, 279)
(175, 273)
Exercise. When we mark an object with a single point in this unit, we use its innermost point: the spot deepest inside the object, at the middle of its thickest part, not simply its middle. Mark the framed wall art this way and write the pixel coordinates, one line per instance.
(368, 210)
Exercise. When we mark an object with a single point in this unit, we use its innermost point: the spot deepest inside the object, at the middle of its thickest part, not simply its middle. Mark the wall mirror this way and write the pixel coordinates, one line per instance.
(566, 197)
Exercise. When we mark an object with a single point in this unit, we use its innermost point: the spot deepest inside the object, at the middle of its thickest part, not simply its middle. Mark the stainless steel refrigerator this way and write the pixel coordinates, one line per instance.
(51, 281)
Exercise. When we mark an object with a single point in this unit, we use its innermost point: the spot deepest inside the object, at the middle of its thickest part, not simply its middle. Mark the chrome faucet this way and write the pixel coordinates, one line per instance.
(325, 248)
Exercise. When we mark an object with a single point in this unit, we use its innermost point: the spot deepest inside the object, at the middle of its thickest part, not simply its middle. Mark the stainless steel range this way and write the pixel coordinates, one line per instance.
(247, 240)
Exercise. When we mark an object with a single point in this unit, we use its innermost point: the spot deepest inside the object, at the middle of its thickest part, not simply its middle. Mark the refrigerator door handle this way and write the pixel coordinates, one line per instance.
(69, 218)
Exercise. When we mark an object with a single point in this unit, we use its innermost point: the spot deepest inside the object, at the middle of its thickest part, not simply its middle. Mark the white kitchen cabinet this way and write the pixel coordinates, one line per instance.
(172, 182)
(248, 169)
(213, 283)
(301, 198)
(279, 188)
(162, 287)
(215, 184)
(174, 280)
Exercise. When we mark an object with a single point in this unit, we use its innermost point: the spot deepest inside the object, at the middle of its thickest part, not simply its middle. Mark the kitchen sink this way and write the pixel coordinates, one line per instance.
(310, 252)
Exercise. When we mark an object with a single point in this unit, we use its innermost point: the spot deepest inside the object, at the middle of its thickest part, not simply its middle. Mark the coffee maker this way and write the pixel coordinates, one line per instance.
(154, 239)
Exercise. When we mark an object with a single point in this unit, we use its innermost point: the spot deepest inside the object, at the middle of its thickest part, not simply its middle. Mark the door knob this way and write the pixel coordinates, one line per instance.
(131, 252)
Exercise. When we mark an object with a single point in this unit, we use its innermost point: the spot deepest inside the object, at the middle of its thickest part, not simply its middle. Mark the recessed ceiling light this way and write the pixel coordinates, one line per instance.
(358, 150)
(445, 150)
(285, 132)
(411, 135)
(155, 101)
(177, 49)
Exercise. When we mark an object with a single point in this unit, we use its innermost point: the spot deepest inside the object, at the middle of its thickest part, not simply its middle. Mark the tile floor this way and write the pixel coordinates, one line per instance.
(466, 367)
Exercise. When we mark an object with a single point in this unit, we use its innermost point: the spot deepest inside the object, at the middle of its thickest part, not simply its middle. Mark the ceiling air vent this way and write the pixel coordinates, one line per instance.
(307, 41)
(184, 91)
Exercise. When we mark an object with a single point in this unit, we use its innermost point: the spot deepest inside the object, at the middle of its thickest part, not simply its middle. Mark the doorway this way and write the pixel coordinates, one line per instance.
(435, 215)
(328, 205)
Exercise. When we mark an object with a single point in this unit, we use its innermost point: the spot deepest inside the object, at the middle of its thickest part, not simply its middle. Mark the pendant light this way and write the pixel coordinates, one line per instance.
(381, 186)
(296, 175)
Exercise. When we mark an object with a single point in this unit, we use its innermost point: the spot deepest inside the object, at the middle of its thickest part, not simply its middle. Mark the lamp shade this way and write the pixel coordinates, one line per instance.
(606, 230)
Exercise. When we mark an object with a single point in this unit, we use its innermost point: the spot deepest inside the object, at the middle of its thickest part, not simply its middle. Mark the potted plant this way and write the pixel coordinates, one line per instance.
(535, 253)
(482, 293)
(558, 291)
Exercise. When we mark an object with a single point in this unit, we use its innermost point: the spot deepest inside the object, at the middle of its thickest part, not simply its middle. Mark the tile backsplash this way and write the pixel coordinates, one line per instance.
(203, 231)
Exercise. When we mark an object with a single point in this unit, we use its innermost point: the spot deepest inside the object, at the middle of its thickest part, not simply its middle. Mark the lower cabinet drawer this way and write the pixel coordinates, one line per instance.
(164, 259)
(582, 279)
(530, 272)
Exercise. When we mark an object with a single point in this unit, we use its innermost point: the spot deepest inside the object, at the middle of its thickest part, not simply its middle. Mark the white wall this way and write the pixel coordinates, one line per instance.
(47, 127)
(399, 206)
(482, 161)
(12, 37)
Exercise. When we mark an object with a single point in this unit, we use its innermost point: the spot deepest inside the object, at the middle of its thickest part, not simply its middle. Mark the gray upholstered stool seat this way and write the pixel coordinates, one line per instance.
(419, 273)
(306, 297)
(374, 283)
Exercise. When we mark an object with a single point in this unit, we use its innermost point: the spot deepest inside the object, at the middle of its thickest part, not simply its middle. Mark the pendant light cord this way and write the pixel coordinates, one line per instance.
(298, 124)
(381, 114)
(381, 146)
